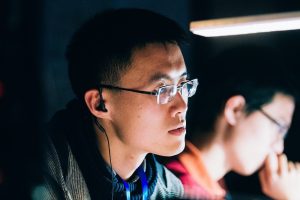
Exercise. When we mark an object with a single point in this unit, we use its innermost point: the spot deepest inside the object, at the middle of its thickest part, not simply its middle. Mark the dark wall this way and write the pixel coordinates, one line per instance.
(20, 98)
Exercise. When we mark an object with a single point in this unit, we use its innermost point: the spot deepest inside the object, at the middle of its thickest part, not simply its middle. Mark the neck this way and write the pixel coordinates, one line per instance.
(214, 160)
(124, 159)
(214, 155)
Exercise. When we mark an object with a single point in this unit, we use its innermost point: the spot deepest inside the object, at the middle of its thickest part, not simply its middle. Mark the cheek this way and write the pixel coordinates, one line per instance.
(148, 115)
(251, 147)
(140, 118)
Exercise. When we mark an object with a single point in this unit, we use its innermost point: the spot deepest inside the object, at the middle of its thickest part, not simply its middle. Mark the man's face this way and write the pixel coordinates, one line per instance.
(137, 120)
(257, 136)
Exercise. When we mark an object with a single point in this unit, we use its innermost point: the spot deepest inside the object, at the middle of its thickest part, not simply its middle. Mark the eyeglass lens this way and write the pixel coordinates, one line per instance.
(167, 93)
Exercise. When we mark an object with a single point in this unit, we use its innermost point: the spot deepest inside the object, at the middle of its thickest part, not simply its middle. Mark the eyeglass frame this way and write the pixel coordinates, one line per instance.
(283, 129)
(155, 92)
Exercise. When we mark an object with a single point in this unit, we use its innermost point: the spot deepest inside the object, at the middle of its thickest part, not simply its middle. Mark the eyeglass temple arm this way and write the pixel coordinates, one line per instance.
(155, 93)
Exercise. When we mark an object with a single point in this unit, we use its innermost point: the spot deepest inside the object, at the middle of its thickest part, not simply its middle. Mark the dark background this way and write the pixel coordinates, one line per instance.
(33, 74)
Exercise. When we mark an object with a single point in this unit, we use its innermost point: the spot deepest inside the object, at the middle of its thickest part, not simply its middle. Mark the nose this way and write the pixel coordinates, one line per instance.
(278, 146)
(179, 105)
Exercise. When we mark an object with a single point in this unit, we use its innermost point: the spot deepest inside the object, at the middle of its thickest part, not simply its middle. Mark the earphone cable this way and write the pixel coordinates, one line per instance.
(109, 153)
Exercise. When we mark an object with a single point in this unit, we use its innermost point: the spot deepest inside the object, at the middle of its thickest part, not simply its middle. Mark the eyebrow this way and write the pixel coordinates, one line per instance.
(159, 76)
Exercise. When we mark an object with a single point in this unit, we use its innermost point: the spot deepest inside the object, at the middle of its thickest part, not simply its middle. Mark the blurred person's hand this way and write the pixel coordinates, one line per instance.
(280, 178)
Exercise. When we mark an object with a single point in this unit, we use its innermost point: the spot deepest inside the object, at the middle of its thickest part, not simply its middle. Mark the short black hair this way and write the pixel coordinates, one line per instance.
(257, 73)
(102, 48)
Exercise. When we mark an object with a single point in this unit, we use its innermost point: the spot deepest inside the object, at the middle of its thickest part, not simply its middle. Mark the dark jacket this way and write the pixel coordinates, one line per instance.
(74, 168)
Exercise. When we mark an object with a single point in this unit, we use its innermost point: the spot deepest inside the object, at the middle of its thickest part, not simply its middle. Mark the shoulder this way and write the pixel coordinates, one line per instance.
(176, 167)
(168, 185)
(62, 175)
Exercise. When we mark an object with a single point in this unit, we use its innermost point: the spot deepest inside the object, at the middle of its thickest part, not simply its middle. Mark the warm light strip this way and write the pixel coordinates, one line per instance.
(247, 25)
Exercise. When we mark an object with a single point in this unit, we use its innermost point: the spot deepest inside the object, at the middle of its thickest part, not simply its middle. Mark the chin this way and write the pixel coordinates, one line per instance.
(172, 151)
(247, 171)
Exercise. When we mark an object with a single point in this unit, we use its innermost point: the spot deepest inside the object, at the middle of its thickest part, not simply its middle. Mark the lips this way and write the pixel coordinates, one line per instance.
(177, 131)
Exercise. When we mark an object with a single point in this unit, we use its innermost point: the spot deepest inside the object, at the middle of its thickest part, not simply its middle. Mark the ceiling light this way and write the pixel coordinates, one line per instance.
(246, 24)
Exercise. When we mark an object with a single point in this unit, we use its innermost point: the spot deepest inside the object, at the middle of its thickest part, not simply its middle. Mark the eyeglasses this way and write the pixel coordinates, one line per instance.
(283, 129)
(166, 93)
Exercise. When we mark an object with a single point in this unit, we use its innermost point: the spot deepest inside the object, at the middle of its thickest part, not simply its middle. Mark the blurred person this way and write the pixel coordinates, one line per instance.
(240, 118)
(128, 73)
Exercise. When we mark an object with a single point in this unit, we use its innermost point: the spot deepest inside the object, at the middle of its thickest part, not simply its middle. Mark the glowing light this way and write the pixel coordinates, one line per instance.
(246, 25)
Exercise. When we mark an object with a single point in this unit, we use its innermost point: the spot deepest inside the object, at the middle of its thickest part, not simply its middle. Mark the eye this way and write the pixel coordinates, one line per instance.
(160, 84)
(182, 81)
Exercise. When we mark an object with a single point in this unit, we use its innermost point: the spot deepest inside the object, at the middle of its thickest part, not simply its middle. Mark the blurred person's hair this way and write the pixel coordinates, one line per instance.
(255, 72)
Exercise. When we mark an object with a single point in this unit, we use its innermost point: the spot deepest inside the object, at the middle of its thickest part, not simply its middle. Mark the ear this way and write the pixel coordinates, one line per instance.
(234, 108)
(92, 99)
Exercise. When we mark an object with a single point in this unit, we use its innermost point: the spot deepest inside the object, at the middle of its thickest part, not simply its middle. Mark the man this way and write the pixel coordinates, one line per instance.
(240, 121)
(128, 73)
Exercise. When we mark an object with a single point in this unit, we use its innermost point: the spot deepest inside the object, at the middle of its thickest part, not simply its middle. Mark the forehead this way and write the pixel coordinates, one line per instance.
(153, 63)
